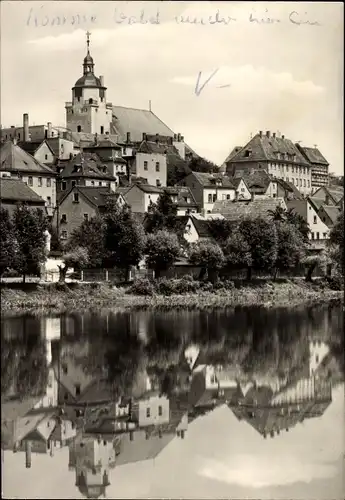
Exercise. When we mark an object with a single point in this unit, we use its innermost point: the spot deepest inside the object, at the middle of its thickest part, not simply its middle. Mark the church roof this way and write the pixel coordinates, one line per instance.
(14, 158)
(88, 80)
(137, 121)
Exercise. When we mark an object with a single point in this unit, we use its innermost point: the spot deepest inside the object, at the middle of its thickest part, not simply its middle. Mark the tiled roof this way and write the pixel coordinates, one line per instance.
(97, 196)
(137, 121)
(209, 180)
(202, 227)
(32, 146)
(288, 186)
(266, 148)
(123, 190)
(336, 192)
(152, 147)
(13, 157)
(257, 181)
(85, 165)
(238, 210)
(16, 190)
(299, 206)
(313, 155)
(232, 153)
(183, 193)
(84, 138)
(333, 212)
(147, 188)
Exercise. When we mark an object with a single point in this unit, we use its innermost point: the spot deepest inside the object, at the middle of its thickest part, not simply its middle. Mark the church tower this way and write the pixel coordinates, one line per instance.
(89, 111)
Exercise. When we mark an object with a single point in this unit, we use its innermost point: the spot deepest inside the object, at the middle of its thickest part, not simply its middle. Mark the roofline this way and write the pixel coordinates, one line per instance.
(4, 199)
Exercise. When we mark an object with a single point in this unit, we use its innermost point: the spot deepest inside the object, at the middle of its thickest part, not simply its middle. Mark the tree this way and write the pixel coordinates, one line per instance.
(30, 227)
(162, 215)
(299, 222)
(336, 241)
(162, 249)
(77, 257)
(221, 229)
(237, 251)
(209, 256)
(261, 237)
(279, 214)
(311, 262)
(91, 236)
(124, 237)
(202, 165)
(291, 246)
(8, 242)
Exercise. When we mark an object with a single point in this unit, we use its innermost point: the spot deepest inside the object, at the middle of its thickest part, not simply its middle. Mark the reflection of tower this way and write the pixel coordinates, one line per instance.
(318, 351)
(92, 459)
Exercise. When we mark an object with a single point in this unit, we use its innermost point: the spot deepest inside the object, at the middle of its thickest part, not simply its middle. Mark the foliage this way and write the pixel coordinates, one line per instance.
(176, 286)
(162, 249)
(124, 237)
(207, 255)
(221, 229)
(237, 250)
(142, 286)
(291, 246)
(292, 217)
(90, 235)
(311, 262)
(336, 240)
(202, 165)
(76, 257)
(8, 242)
(30, 227)
(162, 215)
(261, 237)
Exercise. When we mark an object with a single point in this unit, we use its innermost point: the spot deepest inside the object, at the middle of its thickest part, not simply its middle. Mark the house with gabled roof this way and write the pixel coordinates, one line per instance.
(183, 197)
(277, 155)
(208, 188)
(319, 166)
(319, 231)
(329, 214)
(328, 195)
(139, 196)
(18, 164)
(236, 211)
(40, 150)
(14, 191)
(197, 227)
(110, 155)
(81, 203)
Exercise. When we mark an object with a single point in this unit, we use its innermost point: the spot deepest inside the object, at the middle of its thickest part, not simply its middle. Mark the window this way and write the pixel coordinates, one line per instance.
(102, 129)
(210, 198)
(30, 181)
(74, 183)
(145, 165)
(214, 197)
(63, 218)
(90, 100)
(86, 217)
(317, 236)
(49, 201)
(292, 169)
(77, 389)
(46, 157)
(100, 183)
(160, 411)
(228, 197)
(63, 186)
(308, 183)
(157, 166)
(315, 219)
(296, 181)
(76, 197)
(312, 235)
(304, 183)
(158, 182)
(40, 182)
(325, 235)
(64, 235)
(92, 183)
(148, 412)
(79, 126)
(49, 182)
(300, 182)
(293, 180)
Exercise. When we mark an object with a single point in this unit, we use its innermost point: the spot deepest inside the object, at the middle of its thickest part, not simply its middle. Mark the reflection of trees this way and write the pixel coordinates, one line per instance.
(24, 370)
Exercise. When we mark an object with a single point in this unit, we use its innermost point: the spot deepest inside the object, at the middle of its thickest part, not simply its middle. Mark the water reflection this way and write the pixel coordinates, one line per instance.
(118, 388)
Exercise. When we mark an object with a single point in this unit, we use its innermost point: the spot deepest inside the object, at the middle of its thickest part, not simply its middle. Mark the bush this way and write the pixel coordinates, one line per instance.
(228, 284)
(177, 286)
(142, 286)
(206, 286)
(335, 282)
(11, 273)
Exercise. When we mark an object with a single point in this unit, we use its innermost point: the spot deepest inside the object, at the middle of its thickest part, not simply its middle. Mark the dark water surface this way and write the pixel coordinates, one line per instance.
(244, 403)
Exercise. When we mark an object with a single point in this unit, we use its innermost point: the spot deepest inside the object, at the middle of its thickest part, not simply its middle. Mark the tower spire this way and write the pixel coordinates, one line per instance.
(88, 34)
(88, 61)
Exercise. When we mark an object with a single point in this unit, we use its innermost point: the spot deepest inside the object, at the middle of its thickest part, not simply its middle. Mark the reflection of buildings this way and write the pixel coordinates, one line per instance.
(92, 458)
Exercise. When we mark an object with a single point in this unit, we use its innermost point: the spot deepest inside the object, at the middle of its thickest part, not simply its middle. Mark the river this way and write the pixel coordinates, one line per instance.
(244, 403)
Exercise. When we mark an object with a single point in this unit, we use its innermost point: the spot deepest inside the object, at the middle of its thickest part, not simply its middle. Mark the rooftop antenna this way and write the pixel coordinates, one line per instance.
(315, 146)
(149, 105)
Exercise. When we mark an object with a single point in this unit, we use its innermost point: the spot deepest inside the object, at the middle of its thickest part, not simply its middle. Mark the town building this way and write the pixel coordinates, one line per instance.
(319, 231)
(110, 154)
(261, 207)
(208, 188)
(149, 162)
(18, 164)
(242, 188)
(14, 191)
(184, 199)
(260, 184)
(279, 156)
(140, 196)
(319, 166)
(26, 132)
(330, 195)
(40, 150)
(329, 214)
(197, 227)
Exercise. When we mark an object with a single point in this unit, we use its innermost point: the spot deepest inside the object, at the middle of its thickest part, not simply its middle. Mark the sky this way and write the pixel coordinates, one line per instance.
(220, 457)
(285, 75)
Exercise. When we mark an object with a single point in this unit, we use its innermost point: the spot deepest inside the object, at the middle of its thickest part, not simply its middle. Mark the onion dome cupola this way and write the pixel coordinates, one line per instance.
(88, 79)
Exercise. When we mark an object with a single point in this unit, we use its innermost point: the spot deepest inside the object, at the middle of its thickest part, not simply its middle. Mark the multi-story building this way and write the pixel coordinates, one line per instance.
(17, 163)
(279, 156)
(14, 191)
(319, 166)
(208, 188)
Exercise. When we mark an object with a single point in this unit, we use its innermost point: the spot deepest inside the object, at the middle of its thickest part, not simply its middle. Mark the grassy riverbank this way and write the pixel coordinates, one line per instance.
(53, 298)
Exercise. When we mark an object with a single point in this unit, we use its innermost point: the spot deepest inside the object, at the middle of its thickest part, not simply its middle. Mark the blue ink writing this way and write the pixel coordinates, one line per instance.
(199, 89)
(143, 18)
(295, 18)
(39, 19)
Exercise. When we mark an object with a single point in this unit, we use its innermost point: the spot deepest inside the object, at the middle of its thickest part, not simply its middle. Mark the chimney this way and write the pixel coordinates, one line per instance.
(25, 127)
(283, 136)
(182, 434)
(274, 135)
(49, 133)
(144, 136)
(260, 133)
(182, 138)
(128, 137)
(28, 454)
(178, 137)
(175, 137)
(268, 134)
(101, 78)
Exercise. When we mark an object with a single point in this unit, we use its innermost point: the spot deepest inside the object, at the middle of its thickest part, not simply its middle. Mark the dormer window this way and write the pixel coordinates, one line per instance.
(247, 153)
